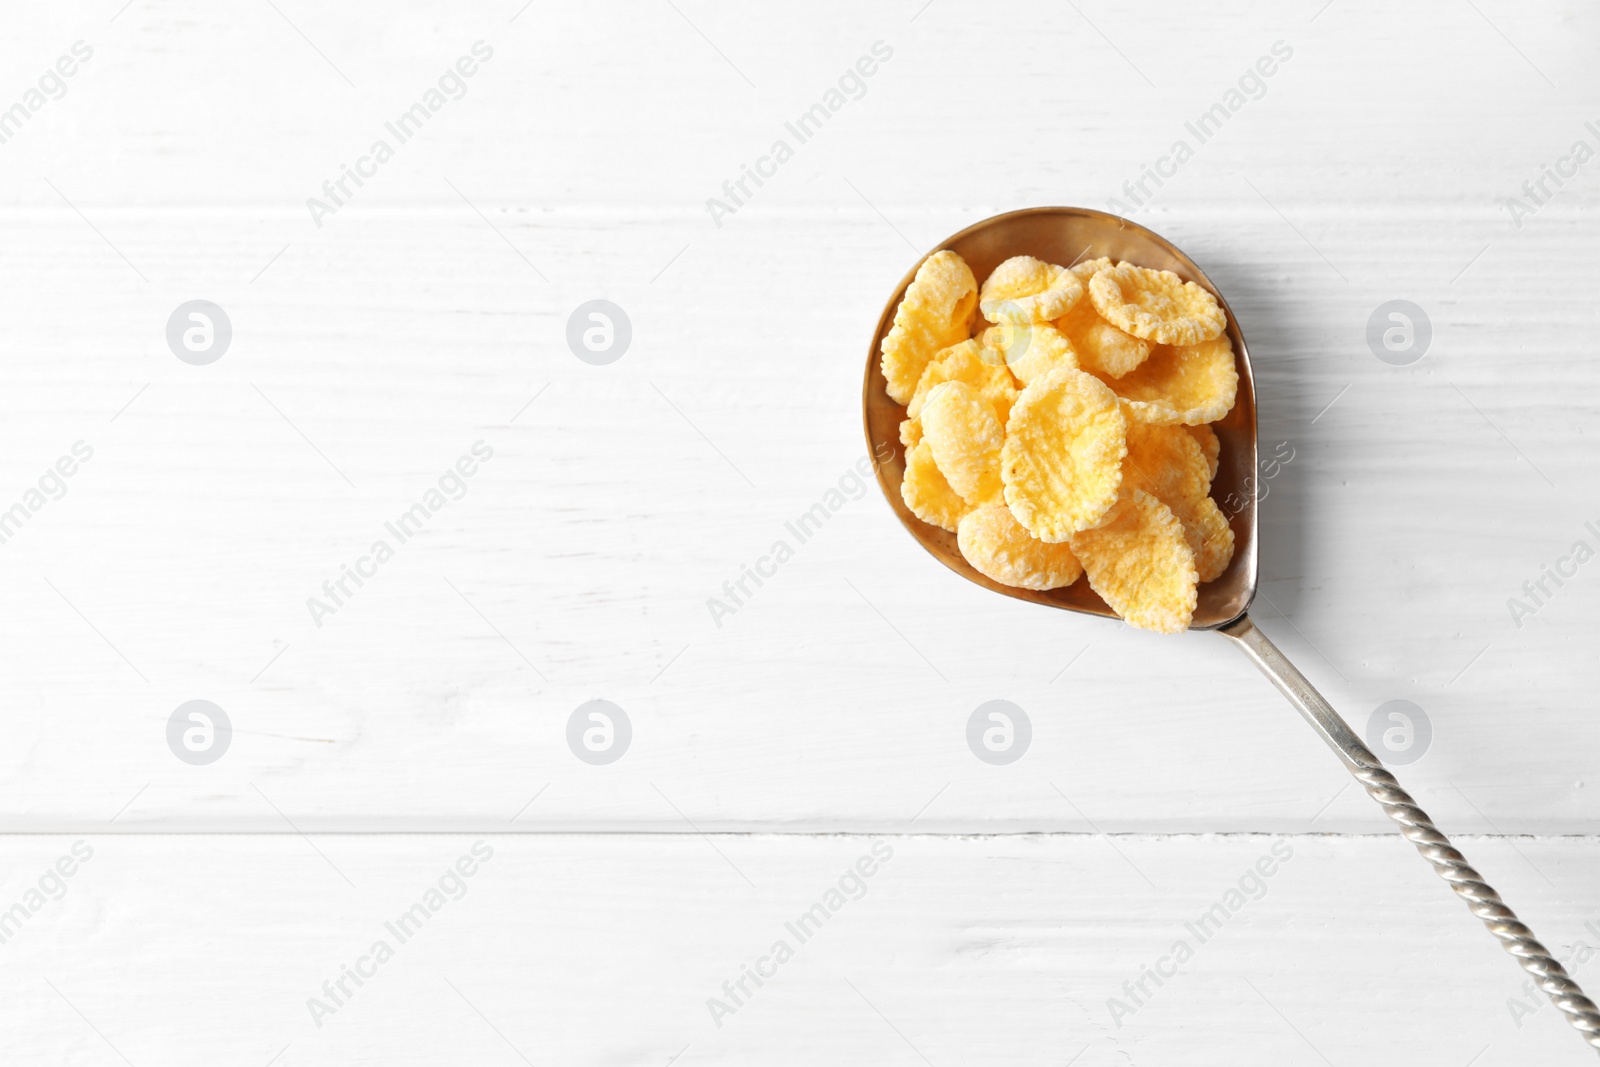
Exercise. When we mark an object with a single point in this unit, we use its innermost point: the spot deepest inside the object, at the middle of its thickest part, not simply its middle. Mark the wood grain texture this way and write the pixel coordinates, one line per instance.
(429, 313)
(606, 949)
(426, 313)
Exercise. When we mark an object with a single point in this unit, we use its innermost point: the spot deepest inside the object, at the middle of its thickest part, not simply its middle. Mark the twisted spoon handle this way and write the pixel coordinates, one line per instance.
(1435, 847)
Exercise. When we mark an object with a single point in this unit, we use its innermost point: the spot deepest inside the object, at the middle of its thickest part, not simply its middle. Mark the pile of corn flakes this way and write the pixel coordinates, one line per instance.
(1057, 421)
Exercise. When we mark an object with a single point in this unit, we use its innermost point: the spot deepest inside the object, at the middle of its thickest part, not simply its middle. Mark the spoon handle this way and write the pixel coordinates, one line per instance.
(1435, 847)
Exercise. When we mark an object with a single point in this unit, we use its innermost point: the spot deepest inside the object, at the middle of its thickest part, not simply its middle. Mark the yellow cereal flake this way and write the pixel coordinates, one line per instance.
(1166, 462)
(1027, 349)
(1140, 563)
(1102, 348)
(960, 428)
(1209, 445)
(926, 492)
(1188, 384)
(936, 312)
(1209, 536)
(1170, 465)
(965, 363)
(910, 433)
(999, 548)
(1024, 289)
(1090, 267)
(1062, 460)
(1156, 305)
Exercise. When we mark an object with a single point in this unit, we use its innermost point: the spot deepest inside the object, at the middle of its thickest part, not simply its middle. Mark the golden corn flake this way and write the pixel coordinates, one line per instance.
(910, 433)
(960, 428)
(1062, 460)
(1209, 536)
(965, 363)
(1169, 464)
(1156, 305)
(1166, 462)
(1027, 349)
(1102, 348)
(1190, 384)
(1024, 289)
(936, 312)
(1209, 445)
(1140, 563)
(926, 492)
(999, 548)
(1090, 267)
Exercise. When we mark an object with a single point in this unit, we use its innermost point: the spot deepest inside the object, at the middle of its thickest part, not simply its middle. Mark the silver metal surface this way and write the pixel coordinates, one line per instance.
(1435, 847)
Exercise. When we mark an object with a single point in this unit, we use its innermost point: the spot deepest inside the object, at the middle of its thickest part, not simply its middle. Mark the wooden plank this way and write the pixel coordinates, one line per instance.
(606, 949)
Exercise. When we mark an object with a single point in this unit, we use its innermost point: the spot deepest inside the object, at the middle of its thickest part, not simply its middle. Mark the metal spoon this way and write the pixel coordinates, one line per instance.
(1069, 235)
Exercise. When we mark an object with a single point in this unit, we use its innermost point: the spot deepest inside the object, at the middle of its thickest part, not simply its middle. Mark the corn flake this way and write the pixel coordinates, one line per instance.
(1209, 445)
(965, 362)
(1000, 549)
(960, 428)
(936, 312)
(910, 433)
(926, 492)
(1209, 536)
(1141, 564)
(1156, 305)
(1028, 349)
(1167, 463)
(1024, 289)
(1090, 267)
(1102, 348)
(1188, 384)
(1062, 460)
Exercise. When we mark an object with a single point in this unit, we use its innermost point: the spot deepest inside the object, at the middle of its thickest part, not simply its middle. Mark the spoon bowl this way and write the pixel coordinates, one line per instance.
(1068, 235)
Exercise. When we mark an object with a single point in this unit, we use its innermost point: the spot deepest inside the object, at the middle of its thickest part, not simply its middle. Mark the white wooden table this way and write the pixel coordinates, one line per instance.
(378, 338)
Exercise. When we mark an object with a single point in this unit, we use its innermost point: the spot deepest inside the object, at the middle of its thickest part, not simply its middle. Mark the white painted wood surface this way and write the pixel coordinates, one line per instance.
(605, 950)
(429, 313)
